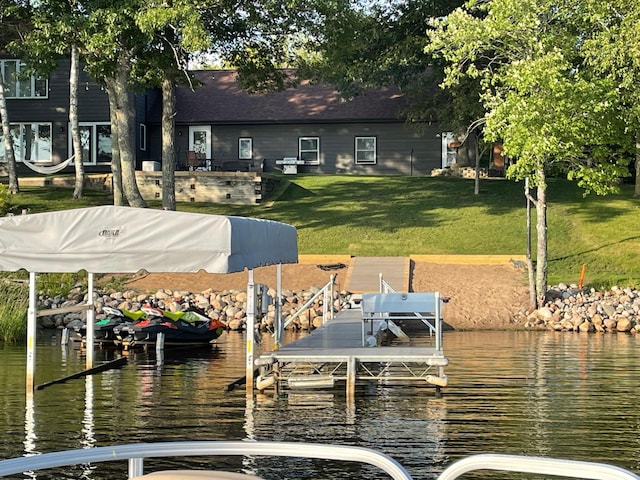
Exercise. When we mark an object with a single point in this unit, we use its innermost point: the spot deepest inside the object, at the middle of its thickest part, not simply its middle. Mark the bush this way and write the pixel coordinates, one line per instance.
(14, 302)
(5, 204)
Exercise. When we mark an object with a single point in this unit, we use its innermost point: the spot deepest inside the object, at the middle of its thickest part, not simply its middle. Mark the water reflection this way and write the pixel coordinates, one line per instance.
(536, 393)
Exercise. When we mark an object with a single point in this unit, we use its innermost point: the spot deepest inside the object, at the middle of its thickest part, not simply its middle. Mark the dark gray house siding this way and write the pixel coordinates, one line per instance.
(400, 150)
(93, 107)
(272, 123)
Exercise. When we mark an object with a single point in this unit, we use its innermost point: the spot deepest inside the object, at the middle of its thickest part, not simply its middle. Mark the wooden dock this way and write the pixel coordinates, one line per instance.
(336, 352)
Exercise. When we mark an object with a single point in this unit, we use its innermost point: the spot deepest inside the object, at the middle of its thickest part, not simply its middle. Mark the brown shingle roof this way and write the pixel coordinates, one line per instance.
(221, 100)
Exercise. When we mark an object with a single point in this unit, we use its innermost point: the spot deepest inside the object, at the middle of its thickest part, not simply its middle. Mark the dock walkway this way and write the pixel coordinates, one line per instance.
(364, 273)
(336, 352)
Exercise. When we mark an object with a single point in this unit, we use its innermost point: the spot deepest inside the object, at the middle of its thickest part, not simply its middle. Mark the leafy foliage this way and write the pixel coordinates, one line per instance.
(541, 103)
(13, 310)
(380, 43)
(5, 200)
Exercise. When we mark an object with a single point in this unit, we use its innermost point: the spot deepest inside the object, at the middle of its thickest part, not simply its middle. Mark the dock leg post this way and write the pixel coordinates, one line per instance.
(276, 373)
(64, 339)
(251, 316)
(352, 368)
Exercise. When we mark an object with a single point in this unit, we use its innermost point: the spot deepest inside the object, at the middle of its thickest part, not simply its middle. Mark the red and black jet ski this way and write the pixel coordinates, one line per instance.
(189, 327)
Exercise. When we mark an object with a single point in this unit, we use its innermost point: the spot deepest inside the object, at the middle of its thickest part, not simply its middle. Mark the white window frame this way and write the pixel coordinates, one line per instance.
(93, 148)
(245, 140)
(362, 150)
(304, 154)
(19, 145)
(143, 137)
(17, 84)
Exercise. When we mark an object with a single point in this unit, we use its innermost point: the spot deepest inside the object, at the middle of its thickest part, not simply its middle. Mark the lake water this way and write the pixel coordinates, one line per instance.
(534, 393)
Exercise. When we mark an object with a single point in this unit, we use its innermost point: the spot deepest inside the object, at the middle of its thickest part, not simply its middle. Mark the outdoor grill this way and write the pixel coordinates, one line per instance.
(290, 165)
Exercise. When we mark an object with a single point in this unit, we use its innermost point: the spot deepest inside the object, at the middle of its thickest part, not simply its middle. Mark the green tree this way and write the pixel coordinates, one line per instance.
(381, 43)
(550, 113)
(611, 49)
(174, 31)
(257, 37)
(112, 45)
(53, 34)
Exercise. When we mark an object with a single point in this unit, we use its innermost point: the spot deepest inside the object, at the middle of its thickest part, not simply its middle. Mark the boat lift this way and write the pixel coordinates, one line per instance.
(351, 346)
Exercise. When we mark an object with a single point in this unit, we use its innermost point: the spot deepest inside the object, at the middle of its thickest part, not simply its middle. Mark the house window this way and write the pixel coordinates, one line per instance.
(366, 150)
(245, 148)
(309, 150)
(143, 137)
(31, 142)
(18, 86)
(95, 139)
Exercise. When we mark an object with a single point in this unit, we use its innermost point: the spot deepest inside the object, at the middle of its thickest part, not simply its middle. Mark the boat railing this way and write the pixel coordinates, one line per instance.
(537, 465)
(135, 454)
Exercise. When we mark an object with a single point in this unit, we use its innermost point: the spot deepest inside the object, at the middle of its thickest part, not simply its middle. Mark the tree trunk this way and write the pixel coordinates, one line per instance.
(541, 231)
(168, 144)
(530, 271)
(636, 192)
(124, 126)
(9, 156)
(116, 169)
(75, 128)
(476, 184)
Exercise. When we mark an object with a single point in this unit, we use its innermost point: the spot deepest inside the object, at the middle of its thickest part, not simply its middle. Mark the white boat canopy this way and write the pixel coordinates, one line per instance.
(113, 239)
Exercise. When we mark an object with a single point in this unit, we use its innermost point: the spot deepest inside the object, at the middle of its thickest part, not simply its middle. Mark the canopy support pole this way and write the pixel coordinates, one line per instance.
(278, 308)
(31, 334)
(91, 317)
(250, 332)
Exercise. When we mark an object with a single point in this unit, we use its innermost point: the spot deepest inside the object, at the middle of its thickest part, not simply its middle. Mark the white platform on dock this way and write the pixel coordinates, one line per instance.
(341, 338)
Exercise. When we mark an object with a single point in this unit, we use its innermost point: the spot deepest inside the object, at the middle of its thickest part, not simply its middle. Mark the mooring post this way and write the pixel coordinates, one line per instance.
(160, 342)
(31, 334)
(251, 316)
(91, 318)
(64, 338)
(279, 321)
(352, 367)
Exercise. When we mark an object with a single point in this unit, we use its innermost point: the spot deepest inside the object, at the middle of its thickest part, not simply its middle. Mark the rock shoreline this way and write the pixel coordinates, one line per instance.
(229, 306)
(568, 308)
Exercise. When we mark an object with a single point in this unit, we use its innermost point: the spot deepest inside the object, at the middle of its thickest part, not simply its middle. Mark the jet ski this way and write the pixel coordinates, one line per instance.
(103, 330)
(189, 327)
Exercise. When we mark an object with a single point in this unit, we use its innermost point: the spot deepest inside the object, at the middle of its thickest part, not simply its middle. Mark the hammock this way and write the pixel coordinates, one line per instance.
(48, 170)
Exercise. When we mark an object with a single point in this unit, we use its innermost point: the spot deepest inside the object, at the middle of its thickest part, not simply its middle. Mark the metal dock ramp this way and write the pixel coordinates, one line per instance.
(349, 347)
(364, 273)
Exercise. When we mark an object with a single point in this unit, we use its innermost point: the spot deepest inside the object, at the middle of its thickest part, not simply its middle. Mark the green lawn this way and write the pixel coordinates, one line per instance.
(391, 216)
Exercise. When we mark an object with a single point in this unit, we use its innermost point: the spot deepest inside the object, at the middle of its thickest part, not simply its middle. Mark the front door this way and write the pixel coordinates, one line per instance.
(200, 139)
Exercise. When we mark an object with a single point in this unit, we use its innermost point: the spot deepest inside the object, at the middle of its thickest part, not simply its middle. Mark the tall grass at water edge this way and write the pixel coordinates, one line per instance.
(13, 310)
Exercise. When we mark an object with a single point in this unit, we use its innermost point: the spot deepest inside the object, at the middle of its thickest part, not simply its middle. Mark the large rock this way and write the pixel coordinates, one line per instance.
(624, 325)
